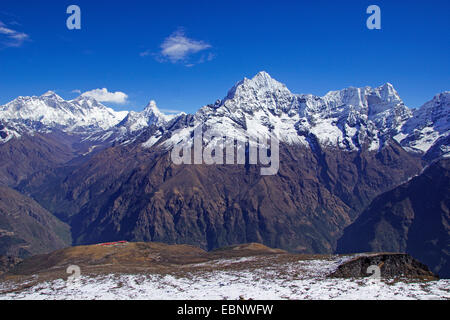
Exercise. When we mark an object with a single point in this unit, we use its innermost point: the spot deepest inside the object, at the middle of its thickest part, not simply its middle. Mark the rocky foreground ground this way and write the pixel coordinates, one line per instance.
(251, 271)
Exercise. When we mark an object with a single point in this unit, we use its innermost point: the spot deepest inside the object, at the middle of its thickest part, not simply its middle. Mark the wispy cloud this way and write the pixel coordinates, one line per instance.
(103, 95)
(145, 53)
(178, 48)
(76, 91)
(170, 111)
(10, 37)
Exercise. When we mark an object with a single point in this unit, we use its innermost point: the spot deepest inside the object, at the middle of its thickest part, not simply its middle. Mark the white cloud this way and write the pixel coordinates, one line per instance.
(170, 111)
(103, 95)
(10, 37)
(76, 91)
(177, 47)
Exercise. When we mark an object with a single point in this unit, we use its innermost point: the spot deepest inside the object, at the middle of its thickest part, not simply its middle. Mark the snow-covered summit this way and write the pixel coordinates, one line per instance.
(261, 83)
(429, 126)
(372, 101)
(153, 115)
(49, 111)
(150, 116)
(51, 95)
(262, 91)
(350, 119)
(134, 124)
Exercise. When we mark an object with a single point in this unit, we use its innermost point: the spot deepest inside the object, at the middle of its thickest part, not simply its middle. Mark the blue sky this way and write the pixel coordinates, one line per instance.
(185, 54)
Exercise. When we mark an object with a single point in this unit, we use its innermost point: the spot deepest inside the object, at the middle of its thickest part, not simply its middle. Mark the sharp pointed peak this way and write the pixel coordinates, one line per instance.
(388, 92)
(387, 86)
(262, 78)
(50, 93)
(152, 110)
(152, 107)
(262, 75)
(261, 81)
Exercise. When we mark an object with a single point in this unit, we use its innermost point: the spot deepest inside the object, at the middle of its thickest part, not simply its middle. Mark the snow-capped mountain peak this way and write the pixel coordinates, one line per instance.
(429, 127)
(150, 116)
(261, 93)
(133, 124)
(350, 119)
(258, 86)
(152, 113)
(51, 95)
(367, 99)
(50, 111)
(388, 92)
(262, 80)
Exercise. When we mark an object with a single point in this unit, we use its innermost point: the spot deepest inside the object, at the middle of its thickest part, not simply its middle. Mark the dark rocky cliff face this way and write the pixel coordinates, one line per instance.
(135, 194)
(412, 218)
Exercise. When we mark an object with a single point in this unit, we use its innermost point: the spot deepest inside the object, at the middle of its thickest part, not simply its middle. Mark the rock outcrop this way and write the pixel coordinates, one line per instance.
(389, 265)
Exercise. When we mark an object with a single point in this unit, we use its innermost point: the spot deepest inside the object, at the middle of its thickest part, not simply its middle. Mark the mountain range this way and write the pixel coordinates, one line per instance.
(108, 175)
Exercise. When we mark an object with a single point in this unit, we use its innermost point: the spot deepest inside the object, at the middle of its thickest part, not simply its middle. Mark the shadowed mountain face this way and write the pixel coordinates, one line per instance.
(26, 228)
(23, 157)
(137, 194)
(412, 218)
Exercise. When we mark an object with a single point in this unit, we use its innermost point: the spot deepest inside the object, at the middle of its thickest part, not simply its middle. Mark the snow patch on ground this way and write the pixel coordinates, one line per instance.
(296, 280)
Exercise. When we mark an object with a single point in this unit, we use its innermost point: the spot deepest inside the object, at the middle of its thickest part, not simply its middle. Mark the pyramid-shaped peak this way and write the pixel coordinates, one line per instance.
(388, 92)
(151, 111)
(388, 87)
(261, 82)
(51, 94)
(152, 108)
(262, 75)
(263, 79)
